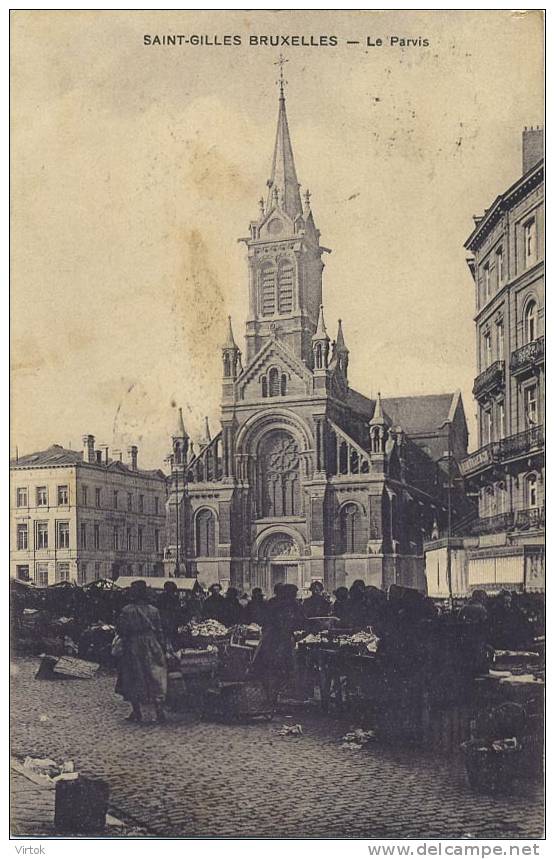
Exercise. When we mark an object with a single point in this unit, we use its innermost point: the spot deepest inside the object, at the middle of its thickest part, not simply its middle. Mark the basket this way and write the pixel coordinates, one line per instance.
(236, 701)
(491, 771)
(194, 662)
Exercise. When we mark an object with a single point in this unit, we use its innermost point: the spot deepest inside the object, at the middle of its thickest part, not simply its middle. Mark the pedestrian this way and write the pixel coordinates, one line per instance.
(316, 605)
(142, 674)
(214, 607)
(340, 606)
(232, 610)
(274, 662)
(355, 612)
(169, 607)
(256, 608)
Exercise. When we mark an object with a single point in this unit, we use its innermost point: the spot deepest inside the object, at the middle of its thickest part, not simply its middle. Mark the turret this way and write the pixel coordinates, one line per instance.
(341, 351)
(378, 434)
(231, 356)
(320, 343)
(180, 442)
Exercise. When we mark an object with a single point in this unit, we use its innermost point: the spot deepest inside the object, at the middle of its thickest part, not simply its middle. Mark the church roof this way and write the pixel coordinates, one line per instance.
(417, 414)
(284, 176)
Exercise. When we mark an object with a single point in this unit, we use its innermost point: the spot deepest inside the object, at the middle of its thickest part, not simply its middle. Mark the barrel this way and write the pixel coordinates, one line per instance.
(81, 805)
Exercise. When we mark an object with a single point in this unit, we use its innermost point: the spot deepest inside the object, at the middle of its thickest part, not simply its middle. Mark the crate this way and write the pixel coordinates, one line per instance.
(237, 701)
(194, 662)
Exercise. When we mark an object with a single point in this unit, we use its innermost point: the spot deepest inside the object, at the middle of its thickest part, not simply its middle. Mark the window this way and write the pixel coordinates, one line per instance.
(140, 538)
(42, 535)
(268, 290)
(41, 575)
(530, 242)
(531, 405)
(63, 496)
(500, 340)
(21, 496)
(285, 286)
(62, 535)
(97, 569)
(156, 505)
(264, 386)
(487, 427)
(532, 491)
(487, 350)
(22, 572)
(531, 322)
(130, 501)
(62, 571)
(83, 535)
(501, 419)
(42, 496)
(500, 267)
(205, 534)
(141, 504)
(280, 464)
(98, 497)
(96, 532)
(116, 539)
(352, 536)
(140, 568)
(115, 499)
(157, 540)
(82, 573)
(22, 535)
(129, 539)
(487, 282)
(274, 382)
(85, 495)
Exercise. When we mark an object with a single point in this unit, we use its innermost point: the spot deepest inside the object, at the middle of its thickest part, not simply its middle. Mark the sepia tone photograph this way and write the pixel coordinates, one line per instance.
(277, 491)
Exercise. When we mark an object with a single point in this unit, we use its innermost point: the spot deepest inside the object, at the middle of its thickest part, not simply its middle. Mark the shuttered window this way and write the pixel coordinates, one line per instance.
(268, 290)
(285, 287)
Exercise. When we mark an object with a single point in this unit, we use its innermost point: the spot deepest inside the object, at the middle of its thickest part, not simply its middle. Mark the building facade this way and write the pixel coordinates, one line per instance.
(307, 478)
(504, 546)
(80, 516)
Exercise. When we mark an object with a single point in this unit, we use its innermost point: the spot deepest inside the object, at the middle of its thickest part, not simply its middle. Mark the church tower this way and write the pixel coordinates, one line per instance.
(284, 256)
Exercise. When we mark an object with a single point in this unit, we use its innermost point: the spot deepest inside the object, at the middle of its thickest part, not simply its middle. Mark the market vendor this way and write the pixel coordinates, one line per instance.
(214, 607)
(316, 605)
(232, 609)
(274, 662)
(340, 608)
(355, 611)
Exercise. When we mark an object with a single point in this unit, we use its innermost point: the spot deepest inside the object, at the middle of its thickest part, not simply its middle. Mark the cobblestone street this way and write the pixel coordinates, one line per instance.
(194, 779)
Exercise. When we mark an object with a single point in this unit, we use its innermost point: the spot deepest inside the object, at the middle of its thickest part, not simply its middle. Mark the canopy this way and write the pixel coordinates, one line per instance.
(156, 582)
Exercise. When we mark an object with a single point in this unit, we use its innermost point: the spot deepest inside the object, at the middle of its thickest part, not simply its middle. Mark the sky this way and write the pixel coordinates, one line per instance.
(136, 168)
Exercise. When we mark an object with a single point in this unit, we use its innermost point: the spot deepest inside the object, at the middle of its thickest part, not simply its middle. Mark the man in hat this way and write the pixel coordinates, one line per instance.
(316, 605)
(215, 607)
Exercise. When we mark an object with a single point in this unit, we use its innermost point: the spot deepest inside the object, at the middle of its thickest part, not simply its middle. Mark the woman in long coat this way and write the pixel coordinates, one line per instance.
(142, 675)
(274, 662)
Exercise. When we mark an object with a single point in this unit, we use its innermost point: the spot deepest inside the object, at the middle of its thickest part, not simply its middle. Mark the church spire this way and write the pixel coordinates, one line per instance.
(230, 340)
(180, 442)
(341, 351)
(320, 343)
(283, 178)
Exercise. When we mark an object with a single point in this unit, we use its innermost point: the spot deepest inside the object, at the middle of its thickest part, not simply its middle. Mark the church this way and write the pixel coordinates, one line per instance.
(308, 479)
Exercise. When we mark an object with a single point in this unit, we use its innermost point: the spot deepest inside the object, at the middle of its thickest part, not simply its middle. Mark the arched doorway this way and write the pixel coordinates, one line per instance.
(279, 558)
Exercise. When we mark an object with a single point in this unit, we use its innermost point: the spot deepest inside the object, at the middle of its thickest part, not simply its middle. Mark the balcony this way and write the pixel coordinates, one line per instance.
(529, 441)
(491, 380)
(525, 360)
(531, 519)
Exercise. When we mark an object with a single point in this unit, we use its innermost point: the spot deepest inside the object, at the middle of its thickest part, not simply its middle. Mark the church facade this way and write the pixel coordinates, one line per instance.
(307, 478)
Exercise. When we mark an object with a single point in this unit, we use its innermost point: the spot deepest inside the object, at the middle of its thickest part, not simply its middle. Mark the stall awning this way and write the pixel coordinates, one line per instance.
(156, 582)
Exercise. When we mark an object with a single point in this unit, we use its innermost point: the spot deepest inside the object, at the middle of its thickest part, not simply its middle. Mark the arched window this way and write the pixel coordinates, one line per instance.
(268, 289)
(205, 534)
(318, 357)
(531, 321)
(352, 530)
(532, 490)
(283, 385)
(286, 278)
(264, 386)
(279, 473)
(274, 384)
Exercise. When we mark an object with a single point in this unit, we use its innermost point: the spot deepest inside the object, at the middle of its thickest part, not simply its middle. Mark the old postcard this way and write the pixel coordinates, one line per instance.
(277, 439)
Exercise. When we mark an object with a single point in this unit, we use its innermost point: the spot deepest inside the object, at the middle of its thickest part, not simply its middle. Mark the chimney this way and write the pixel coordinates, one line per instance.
(98, 454)
(532, 147)
(105, 457)
(132, 452)
(88, 448)
(118, 456)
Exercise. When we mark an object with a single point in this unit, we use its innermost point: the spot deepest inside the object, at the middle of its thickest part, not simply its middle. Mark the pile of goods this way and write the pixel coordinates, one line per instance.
(362, 642)
(45, 771)
(357, 740)
(207, 629)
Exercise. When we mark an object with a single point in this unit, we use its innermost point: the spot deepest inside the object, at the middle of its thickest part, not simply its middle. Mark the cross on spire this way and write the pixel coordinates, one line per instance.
(282, 82)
